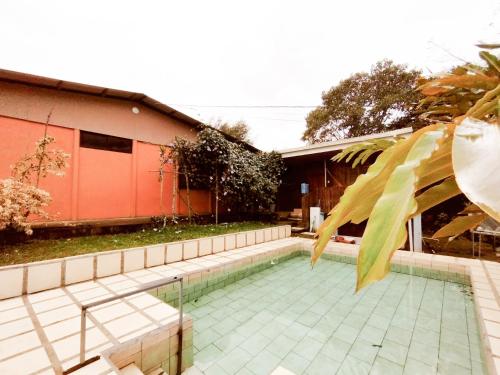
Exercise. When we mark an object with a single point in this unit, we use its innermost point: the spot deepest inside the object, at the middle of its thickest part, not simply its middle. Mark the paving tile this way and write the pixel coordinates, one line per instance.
(446, 367)
(263, 363)
(205, 337)
(414, 367)
(68, 347)
(382, 366)
(234, 361)
(206, 322)
(309, 318)
(322, 365)
(478, 368)
(264, 316)
(273, 329)
(372, 334)
(16, 327)
(399, 335)
(426, 337)
(355, 320)
(295, 363)
(18, 344)
(336, 349)
(352, 365)
(379, 321)
(207, 357)
(255, 344)
(226, 326)
(423, 353)
(296, 331)
(346, 333)
(281, 346)
(364, 351)
(32, 361)
(454, 354)
(229, 341)
(393, 352)
(308, 348)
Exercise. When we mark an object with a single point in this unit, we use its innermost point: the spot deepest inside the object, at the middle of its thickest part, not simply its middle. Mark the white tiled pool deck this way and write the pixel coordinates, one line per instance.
(39, 332)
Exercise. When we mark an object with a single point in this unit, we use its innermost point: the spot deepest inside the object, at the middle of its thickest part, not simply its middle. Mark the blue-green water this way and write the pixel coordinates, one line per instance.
(309, 321)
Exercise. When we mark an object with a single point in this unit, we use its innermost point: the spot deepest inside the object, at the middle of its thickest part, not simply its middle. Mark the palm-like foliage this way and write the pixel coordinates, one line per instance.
(458, 153)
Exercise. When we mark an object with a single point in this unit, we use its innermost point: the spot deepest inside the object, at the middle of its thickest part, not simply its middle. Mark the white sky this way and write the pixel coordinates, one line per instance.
(238, 53)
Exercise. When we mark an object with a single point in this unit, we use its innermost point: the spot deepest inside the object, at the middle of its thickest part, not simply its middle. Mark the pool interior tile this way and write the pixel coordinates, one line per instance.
(311, 322)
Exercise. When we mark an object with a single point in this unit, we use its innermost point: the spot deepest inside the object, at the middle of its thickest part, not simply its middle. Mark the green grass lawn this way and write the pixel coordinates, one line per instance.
(34, 250)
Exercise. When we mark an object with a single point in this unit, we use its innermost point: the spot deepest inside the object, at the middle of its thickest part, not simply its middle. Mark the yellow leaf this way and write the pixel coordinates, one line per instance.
(376, 175)
(471, 209)
(432, 170)
(476, 163)
(437, 194)
(459, 225)
(386, 228)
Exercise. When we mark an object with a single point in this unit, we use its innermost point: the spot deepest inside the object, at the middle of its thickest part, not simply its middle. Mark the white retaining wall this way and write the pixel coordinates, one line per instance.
(34, 277)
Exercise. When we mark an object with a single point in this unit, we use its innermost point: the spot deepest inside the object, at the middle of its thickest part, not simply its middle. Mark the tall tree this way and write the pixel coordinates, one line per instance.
(238, 130)
(383, 99)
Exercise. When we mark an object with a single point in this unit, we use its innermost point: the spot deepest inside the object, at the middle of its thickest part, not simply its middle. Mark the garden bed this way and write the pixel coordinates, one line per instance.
(37, 249)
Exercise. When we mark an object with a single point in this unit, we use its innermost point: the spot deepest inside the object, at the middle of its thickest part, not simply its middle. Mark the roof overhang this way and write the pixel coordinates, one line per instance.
(56, 84)
(325, 147)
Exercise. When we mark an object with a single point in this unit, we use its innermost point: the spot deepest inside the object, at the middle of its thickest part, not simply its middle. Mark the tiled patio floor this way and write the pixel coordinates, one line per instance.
(312, 323)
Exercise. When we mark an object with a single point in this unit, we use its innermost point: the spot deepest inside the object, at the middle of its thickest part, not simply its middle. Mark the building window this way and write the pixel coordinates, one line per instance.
(105, 142)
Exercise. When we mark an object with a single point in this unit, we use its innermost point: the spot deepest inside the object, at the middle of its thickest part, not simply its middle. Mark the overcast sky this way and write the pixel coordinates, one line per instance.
(193, 54)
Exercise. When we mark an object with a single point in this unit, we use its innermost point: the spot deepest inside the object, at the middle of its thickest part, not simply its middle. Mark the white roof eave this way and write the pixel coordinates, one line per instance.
(319, 148)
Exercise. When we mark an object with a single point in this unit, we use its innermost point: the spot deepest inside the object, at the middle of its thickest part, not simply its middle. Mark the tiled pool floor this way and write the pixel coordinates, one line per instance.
(310, 322)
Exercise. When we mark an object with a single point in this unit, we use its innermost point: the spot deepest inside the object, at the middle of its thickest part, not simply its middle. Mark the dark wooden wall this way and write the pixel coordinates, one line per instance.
(310, 169)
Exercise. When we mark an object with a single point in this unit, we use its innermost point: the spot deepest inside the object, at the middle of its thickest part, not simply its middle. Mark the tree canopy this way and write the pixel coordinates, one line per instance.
(238, 130)
(365, 103)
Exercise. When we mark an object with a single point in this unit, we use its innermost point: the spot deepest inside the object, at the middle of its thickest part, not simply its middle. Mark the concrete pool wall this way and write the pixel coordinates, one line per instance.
(34, 277)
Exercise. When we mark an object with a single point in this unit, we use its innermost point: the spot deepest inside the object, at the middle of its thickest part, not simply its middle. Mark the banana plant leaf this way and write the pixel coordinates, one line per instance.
(376, 175)
(386, 228)
(459, 225)
(437, 194)
(476, 161)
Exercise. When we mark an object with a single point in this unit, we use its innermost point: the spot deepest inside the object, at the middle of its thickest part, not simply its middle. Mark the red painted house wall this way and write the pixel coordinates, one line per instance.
(98, 184)
(18, 138)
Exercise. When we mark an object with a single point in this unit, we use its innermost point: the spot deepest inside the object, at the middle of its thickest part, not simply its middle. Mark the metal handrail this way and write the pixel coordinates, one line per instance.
(142, 288)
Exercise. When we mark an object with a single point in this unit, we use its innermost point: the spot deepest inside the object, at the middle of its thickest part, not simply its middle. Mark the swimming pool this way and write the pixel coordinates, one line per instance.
(311, 322)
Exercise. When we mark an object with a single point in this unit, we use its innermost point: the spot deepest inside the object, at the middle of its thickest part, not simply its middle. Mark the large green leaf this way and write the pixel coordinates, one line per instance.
(364, 149)
(386, 228)
(432, 170)
(476, 163)
(459, 225)
(354, 195)
(437, 194)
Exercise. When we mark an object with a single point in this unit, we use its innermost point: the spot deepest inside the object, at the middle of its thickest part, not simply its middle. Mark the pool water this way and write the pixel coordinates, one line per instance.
(309, 321)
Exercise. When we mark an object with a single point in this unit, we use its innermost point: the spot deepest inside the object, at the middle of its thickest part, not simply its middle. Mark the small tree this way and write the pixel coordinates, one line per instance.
(20, 195)
(180, 152)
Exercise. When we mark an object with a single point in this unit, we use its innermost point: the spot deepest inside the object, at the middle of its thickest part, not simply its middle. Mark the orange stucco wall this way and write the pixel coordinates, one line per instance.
(98, 184)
